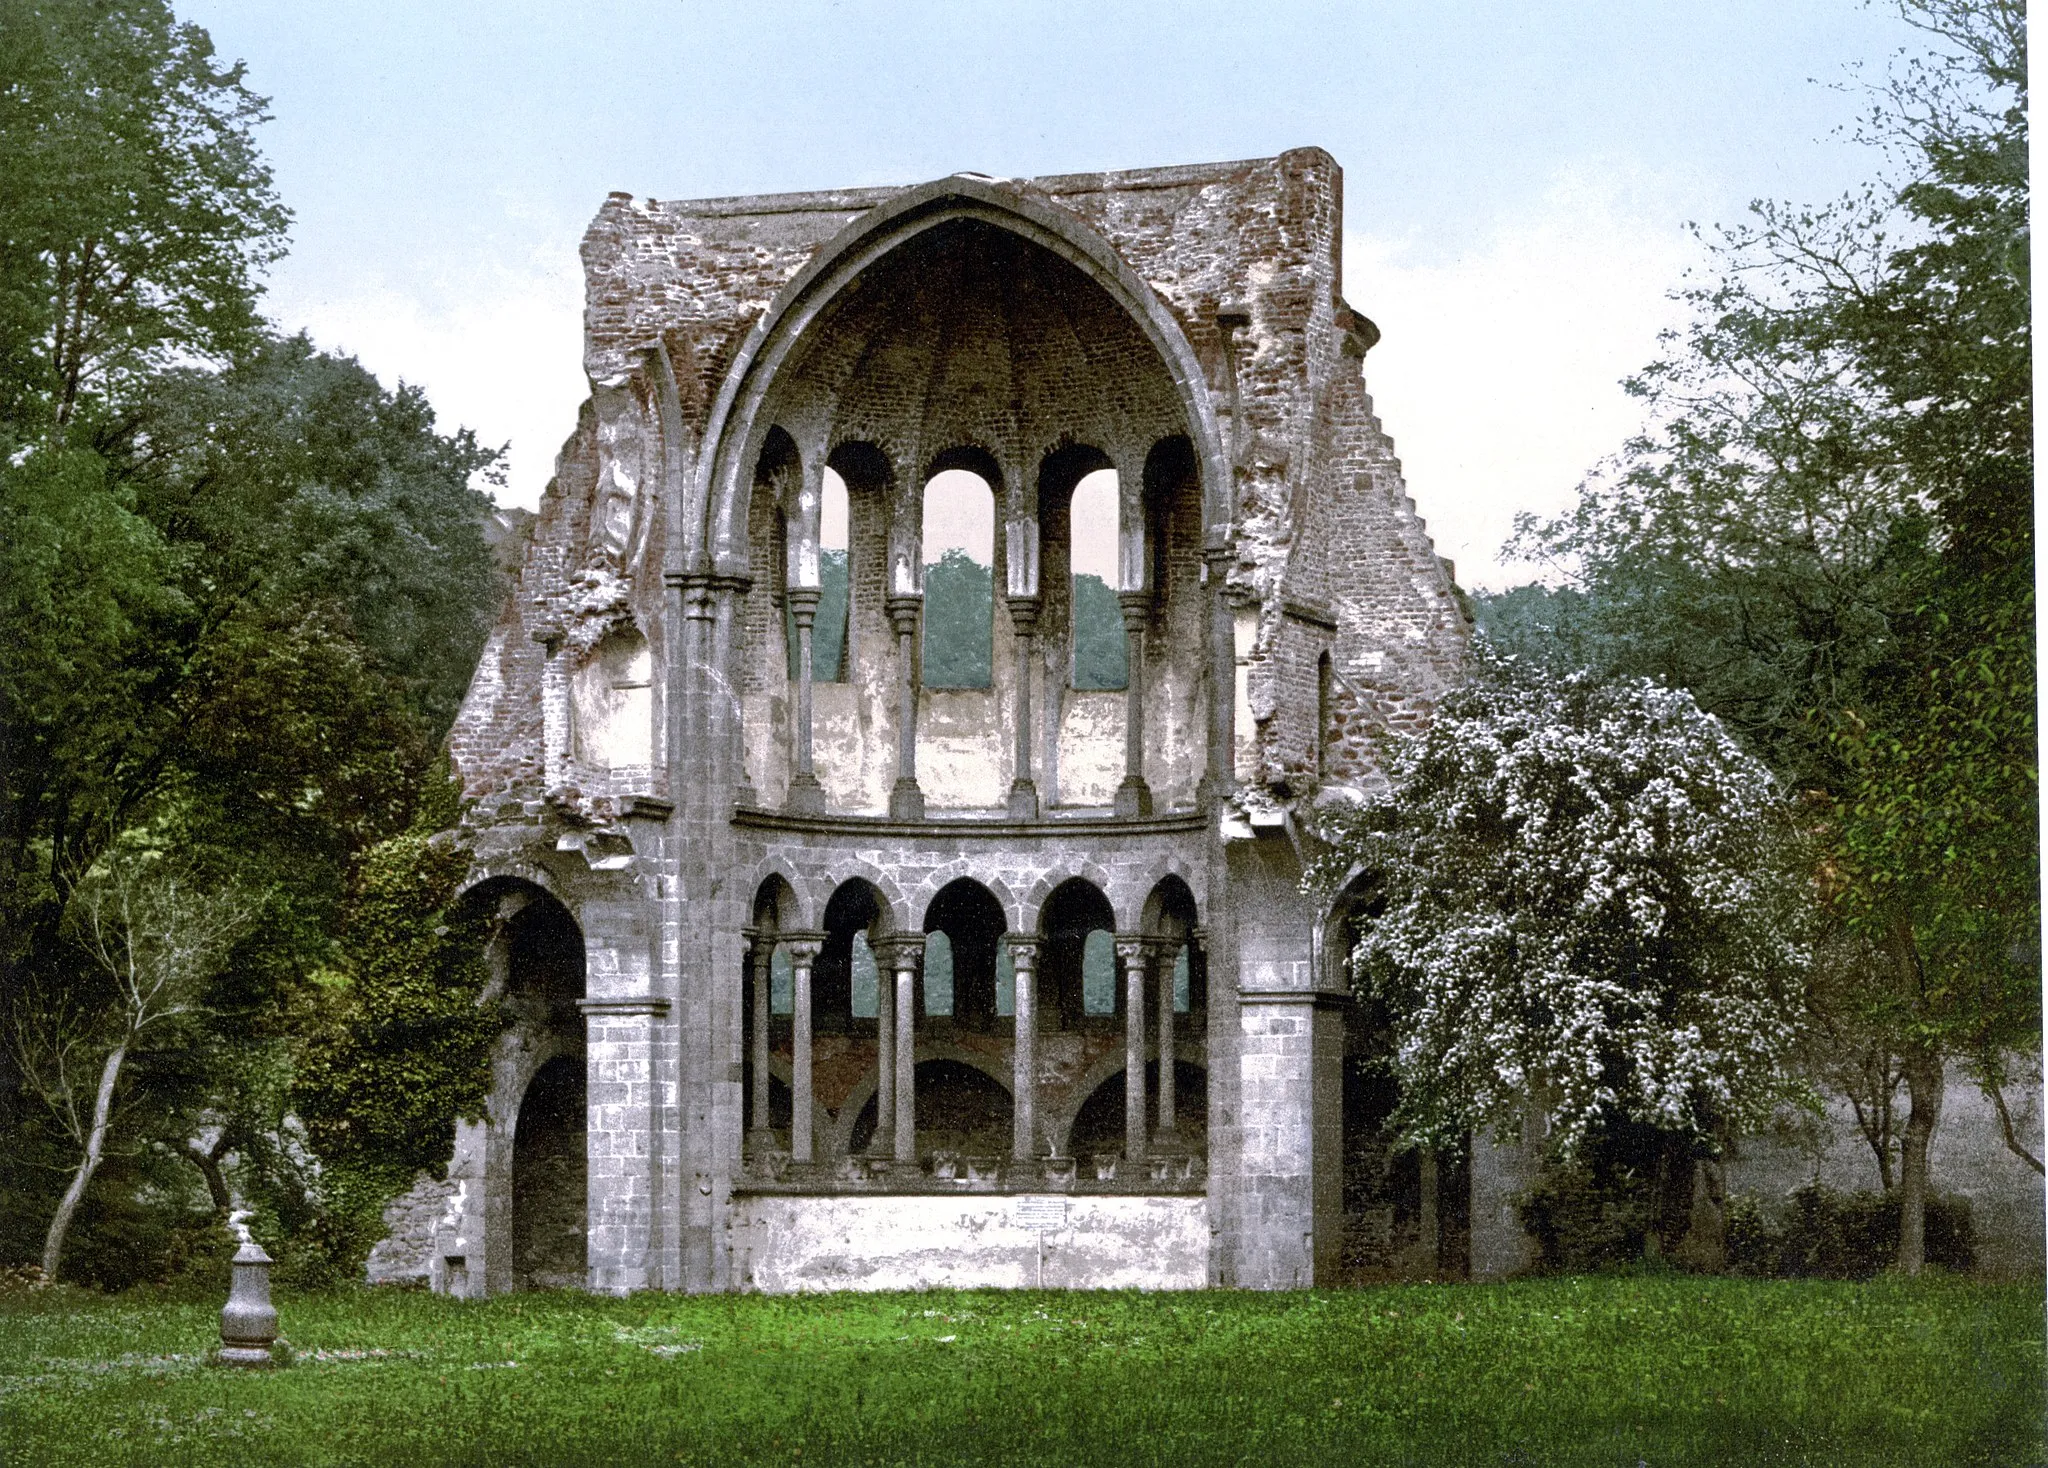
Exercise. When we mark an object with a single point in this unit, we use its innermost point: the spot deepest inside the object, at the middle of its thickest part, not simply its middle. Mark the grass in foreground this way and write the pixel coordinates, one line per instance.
(1618, 1371)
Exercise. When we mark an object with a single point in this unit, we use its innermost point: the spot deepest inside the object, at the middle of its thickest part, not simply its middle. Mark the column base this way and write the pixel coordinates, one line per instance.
(806, 796)
(1133, 798)
(906, 801)
(1023, 801)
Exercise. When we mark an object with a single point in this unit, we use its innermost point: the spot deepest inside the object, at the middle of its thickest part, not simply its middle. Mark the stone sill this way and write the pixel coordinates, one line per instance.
(896, 1187)
(1091, 823)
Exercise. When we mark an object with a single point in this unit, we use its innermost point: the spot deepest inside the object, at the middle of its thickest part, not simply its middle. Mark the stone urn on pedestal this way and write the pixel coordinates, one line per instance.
(248, 1322)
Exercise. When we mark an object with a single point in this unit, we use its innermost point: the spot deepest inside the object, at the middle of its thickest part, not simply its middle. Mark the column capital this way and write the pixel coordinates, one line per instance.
(696, 589)
(1024, 612)
(1023, 948)
(803, 603)
(1136, 606)
(899, 950)
(903, 608)
(1135, 948)
(802, 944)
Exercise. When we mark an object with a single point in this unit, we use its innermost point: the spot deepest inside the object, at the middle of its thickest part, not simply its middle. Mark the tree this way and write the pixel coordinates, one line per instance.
(242, 584)
(1574, 912)
(299, 481)
(156, 935)
(264, 605)
(135, 210)
(1825, 534)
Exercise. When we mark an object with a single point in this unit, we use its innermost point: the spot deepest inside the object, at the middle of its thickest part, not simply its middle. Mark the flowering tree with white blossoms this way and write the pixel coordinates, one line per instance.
(1576, 907)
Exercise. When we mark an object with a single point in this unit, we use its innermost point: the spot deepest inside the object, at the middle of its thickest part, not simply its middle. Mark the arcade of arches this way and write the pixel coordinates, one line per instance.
(962, 1052)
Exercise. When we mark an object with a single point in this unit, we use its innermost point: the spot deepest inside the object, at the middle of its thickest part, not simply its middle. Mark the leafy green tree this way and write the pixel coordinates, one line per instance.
(297, 480)
(263, 610)
(959, 622)
(135, 210)
(1101, 657)
(242, 586)
(1826, 535)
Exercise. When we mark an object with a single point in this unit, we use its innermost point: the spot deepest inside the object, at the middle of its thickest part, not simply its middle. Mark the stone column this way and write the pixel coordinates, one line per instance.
(904, 953)
(1169, 1134)
(884, 1141)
(806, 795)
(761, 956)
(803, 952)
(1023, 790)
(1134, 796)
(1134, 952)
(622, 1154)
(1024, 1051)
(906, 800)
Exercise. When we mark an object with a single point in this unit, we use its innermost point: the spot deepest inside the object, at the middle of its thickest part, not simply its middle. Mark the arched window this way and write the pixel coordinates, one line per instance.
(866, 978)
(959, 580)
(1099, 654)
(1098, 974)
(845, 963)
(938, 974)
(828, 635)
(828, 624)
(1077, 967)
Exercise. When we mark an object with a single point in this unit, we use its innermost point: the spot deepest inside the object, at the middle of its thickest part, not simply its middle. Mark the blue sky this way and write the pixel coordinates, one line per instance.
(1518, 177)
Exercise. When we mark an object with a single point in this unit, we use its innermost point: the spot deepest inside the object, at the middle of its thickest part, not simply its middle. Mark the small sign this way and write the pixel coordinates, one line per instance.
(1041, 1213)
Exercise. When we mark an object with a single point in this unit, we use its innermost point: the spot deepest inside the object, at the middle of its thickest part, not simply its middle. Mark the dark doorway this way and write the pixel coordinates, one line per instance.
(550, 1188)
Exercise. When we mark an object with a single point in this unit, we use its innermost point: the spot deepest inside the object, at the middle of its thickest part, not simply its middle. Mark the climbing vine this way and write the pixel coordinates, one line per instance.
(405, 1048)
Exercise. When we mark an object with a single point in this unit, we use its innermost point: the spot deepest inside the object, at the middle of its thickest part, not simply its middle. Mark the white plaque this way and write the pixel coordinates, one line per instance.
(1041, 1213)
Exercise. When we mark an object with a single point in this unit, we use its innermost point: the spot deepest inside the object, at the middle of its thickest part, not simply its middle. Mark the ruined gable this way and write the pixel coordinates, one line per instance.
(875, 924)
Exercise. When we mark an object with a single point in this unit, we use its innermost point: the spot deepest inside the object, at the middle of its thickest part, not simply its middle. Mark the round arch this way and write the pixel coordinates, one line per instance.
(713, 519)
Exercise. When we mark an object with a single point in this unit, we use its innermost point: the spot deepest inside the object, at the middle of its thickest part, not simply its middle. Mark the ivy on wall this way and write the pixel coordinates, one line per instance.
(405, 1048)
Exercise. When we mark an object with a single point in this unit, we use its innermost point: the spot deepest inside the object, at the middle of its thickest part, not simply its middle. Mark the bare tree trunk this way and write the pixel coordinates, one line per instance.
(88, 1164)
(207, 1160)
(1994, 1087)
(1875, 1121)
(1924, 1082)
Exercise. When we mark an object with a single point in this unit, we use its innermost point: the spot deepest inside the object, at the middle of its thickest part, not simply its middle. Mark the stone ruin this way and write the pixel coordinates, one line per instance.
(885, 777)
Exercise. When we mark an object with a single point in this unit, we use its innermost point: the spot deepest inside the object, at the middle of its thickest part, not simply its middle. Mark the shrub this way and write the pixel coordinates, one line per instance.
(1824, 1233)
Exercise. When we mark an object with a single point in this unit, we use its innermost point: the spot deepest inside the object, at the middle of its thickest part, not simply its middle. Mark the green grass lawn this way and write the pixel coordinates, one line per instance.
(1614, 1371)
